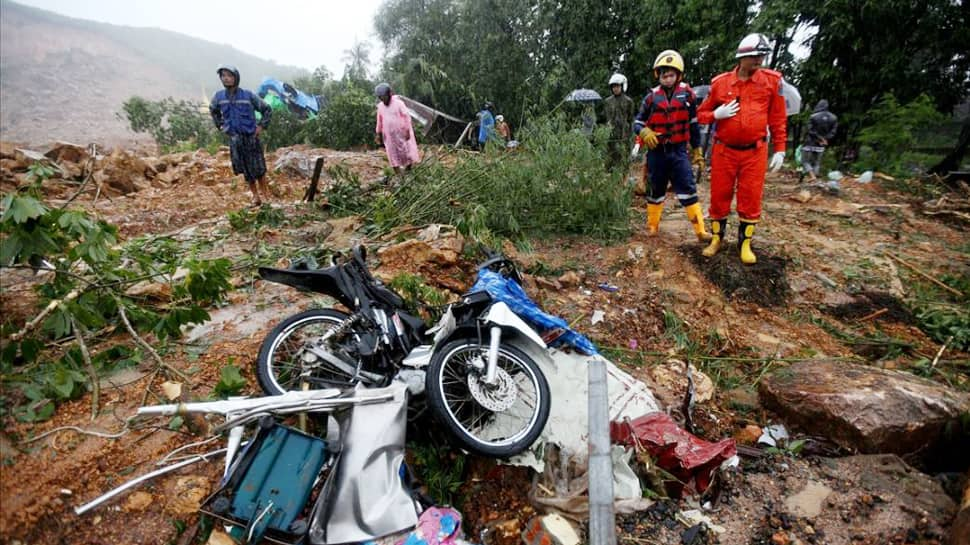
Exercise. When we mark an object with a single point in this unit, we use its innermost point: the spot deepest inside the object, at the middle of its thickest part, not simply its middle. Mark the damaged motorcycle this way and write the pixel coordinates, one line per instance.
(474, 365)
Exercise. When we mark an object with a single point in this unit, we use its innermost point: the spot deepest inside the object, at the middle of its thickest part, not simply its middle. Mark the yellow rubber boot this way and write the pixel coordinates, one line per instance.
(696, 218)
(717, 235)
(745, 232)
(653, 218)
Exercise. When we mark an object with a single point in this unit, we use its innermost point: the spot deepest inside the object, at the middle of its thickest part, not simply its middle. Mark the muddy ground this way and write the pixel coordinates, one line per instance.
(827, 264)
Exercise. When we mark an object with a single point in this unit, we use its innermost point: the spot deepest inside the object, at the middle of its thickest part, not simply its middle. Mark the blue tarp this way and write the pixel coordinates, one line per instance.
(291, 95)
(511, 293)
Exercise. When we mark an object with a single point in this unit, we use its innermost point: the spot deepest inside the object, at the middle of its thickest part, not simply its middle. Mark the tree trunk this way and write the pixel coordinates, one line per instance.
(952, 161)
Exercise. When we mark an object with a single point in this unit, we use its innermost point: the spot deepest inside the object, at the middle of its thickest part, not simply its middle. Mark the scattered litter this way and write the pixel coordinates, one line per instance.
(826, 280)
(692, 517)
(626, 484)
(172, 390)
(802, 196)
(687, 457)
(865, 177)
(585, 292)
(633, 344)
(550, 530)
(635, 253)
(606, 286)
(835, 175)
(774, 434)
(598, 316)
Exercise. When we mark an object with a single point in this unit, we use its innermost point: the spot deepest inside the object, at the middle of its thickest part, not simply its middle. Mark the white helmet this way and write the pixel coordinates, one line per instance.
(753, 45)
(618, 79)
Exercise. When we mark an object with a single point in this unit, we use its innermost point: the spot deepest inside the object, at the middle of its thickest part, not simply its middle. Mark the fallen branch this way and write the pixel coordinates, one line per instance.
(868, 317)
(148, 348)
(89, 365)
(920, 272)
(940, 353)
(43, 314)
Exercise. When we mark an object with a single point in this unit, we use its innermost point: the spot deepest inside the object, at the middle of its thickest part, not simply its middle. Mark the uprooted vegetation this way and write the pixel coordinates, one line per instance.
(575, 231)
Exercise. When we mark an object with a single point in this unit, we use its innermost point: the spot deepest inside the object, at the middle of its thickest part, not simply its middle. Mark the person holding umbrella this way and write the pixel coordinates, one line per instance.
(666, 122)
(743, 104)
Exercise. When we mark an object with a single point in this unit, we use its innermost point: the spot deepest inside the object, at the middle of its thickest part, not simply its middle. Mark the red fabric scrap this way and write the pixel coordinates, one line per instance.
(674, 449)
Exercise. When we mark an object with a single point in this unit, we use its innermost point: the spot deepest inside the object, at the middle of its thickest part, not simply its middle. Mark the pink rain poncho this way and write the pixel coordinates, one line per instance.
(394, 126)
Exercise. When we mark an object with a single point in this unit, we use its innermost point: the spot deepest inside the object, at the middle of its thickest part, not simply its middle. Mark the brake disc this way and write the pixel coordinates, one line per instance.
(496, 397)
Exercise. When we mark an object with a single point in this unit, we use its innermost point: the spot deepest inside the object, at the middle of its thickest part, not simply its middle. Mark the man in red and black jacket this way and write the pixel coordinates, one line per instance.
(666, 123)
(743, 104)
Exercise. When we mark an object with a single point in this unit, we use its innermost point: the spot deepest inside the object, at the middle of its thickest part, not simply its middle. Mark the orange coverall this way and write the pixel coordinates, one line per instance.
(739, 153)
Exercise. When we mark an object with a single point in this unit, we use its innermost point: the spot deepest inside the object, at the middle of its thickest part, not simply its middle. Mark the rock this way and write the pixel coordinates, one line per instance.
(156, 291)
(569, 279)
(218, 537)
(412, 254)
(802, 196)
(960, 531)
(8, 150)
(748, 435)
(866, 409)
(138, 501)
(808, 502)
(780, 538)
(295, 163)
(742, 399)
(188, 495)
(65, 152)
(672, 379)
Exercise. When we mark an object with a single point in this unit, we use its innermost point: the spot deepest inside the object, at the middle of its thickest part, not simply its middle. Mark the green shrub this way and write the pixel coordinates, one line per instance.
(173, 124)
(347, 121)
(887, 142)
(555, 183)
(285, 129)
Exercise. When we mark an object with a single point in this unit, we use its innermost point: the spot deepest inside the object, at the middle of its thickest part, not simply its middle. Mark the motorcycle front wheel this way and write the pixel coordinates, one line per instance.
(496, 420)
(286, 362)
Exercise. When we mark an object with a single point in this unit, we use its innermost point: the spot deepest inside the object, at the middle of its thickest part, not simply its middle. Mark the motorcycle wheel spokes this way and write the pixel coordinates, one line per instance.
(285, 355)
(498, 428)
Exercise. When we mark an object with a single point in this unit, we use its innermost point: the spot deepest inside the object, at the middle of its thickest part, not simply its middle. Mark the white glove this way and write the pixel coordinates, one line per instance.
(776, 160)
(725, 111)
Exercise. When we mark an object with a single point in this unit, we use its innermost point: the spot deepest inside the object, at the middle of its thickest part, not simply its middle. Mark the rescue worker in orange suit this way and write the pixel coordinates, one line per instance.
(666, 122)
(744, 104)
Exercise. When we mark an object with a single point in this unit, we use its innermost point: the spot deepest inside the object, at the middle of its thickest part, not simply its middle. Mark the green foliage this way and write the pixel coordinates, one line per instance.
(247, 220)
(893, 130)
(941, 314)
(555, 184)
(440, 468)
(231, 382)
(420, 299)
(172, 123)
(345, 195)
(347, 121)
(90, 277)
(285, 129)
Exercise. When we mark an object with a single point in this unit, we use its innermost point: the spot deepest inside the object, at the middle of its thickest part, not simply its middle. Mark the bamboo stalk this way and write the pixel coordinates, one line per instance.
(920, 272)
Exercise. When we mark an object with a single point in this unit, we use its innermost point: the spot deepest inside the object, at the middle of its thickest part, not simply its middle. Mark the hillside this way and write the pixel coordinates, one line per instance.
(66, 78)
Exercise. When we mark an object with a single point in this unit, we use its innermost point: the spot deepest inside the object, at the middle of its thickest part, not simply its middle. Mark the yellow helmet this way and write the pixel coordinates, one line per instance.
(668, 58)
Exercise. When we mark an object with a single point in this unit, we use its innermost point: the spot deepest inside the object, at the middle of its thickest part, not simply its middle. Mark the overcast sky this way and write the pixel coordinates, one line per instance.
(303, 33)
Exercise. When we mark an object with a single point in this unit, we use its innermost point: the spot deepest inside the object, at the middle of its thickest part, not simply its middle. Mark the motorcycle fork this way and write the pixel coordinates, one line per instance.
(495, 338)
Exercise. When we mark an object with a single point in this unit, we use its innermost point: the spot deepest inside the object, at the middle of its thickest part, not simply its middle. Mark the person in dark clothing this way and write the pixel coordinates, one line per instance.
(619, 110)
(821, 128)
(233, 110)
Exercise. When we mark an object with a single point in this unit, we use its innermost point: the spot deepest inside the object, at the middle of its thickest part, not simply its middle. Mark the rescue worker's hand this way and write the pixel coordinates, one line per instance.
(697, 158)
(725, 111)
(649, 138)
(823, 141)
(259, 129)
(776, 161)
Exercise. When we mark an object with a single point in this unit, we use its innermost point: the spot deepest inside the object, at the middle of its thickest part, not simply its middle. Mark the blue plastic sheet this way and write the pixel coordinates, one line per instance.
(511, 293)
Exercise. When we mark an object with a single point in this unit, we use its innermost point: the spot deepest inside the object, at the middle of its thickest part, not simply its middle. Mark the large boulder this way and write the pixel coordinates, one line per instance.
(867, 409)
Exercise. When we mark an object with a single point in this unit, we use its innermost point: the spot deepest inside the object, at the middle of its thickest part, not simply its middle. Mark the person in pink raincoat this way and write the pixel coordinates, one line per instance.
(394, 130)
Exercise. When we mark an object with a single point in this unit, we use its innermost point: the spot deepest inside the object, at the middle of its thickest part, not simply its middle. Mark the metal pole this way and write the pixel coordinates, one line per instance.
(602, 525)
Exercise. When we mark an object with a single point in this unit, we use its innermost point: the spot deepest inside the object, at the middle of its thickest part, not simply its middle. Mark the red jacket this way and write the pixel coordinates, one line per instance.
(762, 106)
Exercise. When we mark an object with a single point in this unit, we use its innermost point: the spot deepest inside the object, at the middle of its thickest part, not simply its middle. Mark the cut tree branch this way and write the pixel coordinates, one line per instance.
(141, 342)
(29, 326)
(89, 365)
(920, 272)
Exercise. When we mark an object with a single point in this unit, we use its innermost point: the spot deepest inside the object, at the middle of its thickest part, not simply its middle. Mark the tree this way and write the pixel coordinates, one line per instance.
(357, 59)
